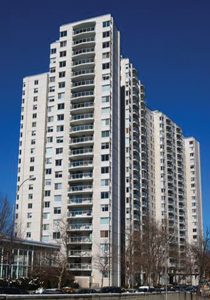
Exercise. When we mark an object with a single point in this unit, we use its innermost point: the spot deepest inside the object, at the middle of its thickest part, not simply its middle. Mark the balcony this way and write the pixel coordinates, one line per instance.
(80, 266)
(83, 227)
(81, 176)
(81, 164)
(81, 84)
(82, 128)
(80, 240)
(80, 214)
(80, 253)
(83, 73)
(87, 41)
(81, 117)
(87, 188)
(84, 52)
(82, 95)
(82, 106)
(80, 201)
(76, 141)
(80, 63)
(81, 151)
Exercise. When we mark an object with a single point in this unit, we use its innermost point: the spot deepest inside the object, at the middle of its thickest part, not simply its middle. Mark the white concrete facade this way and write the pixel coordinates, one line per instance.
(193, 190)
(76, 149)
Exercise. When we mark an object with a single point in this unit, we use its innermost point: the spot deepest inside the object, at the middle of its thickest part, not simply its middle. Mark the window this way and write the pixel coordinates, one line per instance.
(106, 88)
(105, 76)
(63, 43)
(105, 122)
(29, 215)
(31, 169)
(104, 195)
(47, 193)
(58, 162)
(48, 171)
(56, 235)
(60, 117)
(53, 51)
(105, 146)
(105, 99)
(106, 23)
(50, 119)
(106, 44)
(33, 142)
(63, 33)
(62, 74)
(58, 186)
(105, 133)
(32, 159)
(35, 90)
(30, 196)
(105, 157)
(57, 198)
(105, 110)
(59, 139)
(46, 216)
(59, 150)
(106, 34)
(47, 204)
(47, 182)
(35, 99)
(28, 234)
(60, 128)
(62, 64)
(49, 139)
(104, 182)
(61, 84)
(29, 205)
(104, 233)
(57, 210)
(61, 95)
(28, 225)
(105, 66)
(62, 53)
(104, 170)
(104, 221)
(104, 207)
(33, 124)
(45, 226)
(58, 174)
(61, 106)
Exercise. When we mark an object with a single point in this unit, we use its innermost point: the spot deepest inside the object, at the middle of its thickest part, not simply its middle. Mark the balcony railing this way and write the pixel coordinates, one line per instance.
(83, 61)
(82, 117)
(84, 40)
(80, 188)
(82, 266)
(83, 139)
(82, 83)
(81, 163)
(83, 72)
(80, 239)
(80, 201)
(83, 51)
(80, 226)
(82, 94)
(83, 30)
(82, 104)
(80, 253)
(82, 127)
(79, 213)
(81, 175)
(81, 151)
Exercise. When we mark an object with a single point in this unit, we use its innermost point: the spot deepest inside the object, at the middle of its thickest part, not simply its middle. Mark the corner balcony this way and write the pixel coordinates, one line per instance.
(82, 107)
(80, 267)
(80, 226)
(85, 41)
(87, 95)
(83, 52)
(80, 141)
(80, 164)
(80, 201)
(78, 129)
(82, 74)
(80, 253)
(82, 84)
(88, 62)
(81, 189)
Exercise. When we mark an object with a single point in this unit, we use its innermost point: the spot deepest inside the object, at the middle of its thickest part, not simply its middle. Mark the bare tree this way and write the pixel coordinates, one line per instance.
(201, 255)
(6, 218)
(101, 261)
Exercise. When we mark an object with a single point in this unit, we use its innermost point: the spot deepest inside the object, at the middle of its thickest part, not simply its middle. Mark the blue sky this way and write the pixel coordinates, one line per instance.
(168, 41)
